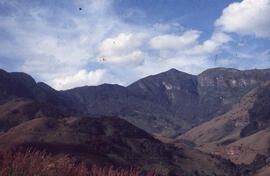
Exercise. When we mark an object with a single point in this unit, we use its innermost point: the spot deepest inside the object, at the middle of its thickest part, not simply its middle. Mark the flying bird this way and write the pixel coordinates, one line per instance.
(80, 8)
(102, 59)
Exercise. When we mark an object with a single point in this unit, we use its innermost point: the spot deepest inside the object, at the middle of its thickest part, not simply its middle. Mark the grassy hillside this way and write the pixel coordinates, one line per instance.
(239, 134)
(111, 141)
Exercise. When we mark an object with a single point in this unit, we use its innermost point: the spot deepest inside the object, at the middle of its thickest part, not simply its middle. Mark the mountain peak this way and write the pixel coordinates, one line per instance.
(173, 70)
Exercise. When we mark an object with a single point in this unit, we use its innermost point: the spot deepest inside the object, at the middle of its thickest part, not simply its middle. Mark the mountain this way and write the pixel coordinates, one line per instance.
(27, 123)
(225, 110)
(241, 133)
(21, 85)
(176, 101)
(167, 104)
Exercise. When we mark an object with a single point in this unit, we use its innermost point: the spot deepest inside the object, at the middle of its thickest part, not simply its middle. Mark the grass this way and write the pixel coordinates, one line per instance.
(39, 163)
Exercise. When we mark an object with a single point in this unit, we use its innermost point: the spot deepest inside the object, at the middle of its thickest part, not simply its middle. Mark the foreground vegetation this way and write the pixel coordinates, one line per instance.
(37, 163)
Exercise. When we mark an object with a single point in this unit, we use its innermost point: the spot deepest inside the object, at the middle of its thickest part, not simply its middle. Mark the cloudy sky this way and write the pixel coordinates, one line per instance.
(120, 41)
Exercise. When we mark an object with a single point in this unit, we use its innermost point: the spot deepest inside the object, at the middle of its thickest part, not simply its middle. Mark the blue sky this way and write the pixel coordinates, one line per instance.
(121, 41)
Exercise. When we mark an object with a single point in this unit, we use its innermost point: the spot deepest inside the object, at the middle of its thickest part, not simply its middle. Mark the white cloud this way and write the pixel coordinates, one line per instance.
(208, 46)
(184, 52)
(249, 17)
(189, 64)
(220, 37)
(187, 45)
(175, 42)
(125, 49)
(81, 78)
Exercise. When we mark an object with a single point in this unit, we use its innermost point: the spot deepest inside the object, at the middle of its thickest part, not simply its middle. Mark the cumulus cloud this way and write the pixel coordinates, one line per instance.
(188, 44)
(125, 49)
(249, 17)
(208, 46)
(81, 78)
(175, 42)
(189, 64)
(185, 51)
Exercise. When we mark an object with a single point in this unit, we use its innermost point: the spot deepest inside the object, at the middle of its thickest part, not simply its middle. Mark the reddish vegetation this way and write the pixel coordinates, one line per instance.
(36, 163)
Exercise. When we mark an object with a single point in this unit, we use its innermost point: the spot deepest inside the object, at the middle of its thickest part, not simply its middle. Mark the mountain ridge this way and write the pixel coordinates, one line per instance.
(169, 103)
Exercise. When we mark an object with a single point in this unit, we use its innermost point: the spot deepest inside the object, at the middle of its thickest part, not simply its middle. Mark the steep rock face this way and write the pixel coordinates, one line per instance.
(165, 100)
(220, 88)
(174, 90)
(260, 112)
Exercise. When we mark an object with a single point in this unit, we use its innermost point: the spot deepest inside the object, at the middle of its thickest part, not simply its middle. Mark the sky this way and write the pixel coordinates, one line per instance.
(121, 41)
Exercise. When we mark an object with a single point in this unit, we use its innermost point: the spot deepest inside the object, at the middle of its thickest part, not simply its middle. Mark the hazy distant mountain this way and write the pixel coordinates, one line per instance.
(168, 103)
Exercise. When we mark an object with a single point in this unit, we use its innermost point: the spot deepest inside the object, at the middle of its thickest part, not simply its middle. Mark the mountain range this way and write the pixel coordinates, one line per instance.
(168, 103)
(220, 112)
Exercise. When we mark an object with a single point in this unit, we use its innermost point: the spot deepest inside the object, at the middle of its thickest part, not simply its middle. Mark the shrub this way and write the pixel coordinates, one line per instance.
(39, 163)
